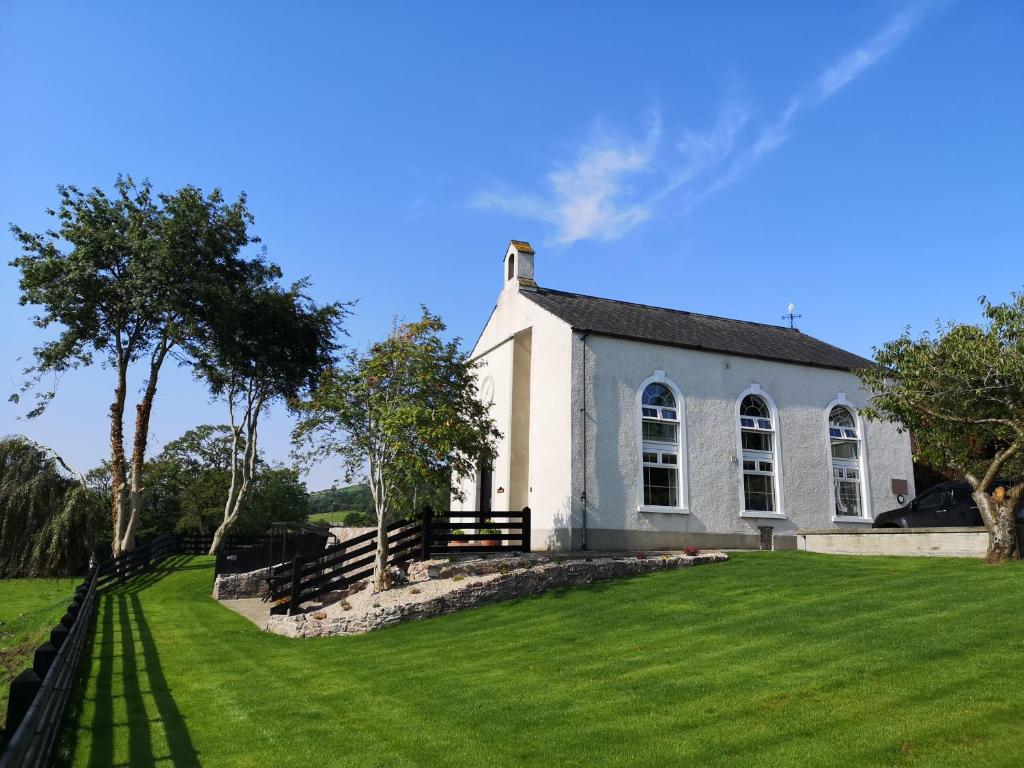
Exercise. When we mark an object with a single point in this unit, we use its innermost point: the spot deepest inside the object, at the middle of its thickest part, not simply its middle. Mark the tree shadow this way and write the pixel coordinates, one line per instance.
(127, 650)
(154, 575)
(181, 750)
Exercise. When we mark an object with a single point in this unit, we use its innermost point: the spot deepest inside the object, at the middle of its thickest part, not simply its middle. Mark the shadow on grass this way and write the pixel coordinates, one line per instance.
(156, 574)
(129, 669)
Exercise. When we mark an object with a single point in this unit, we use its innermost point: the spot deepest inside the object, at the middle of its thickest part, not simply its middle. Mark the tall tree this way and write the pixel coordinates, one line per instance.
(130, 277)
(961, 392)
(407, 411)
(270, 346)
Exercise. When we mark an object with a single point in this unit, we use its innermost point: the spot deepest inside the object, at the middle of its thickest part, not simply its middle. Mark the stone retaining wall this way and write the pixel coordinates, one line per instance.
(918, 542)
(237, 586)
(491, 588)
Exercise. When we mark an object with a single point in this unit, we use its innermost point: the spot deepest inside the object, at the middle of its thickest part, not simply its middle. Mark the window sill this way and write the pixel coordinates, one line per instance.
(852, 519)
(768, 515)
(664, 510)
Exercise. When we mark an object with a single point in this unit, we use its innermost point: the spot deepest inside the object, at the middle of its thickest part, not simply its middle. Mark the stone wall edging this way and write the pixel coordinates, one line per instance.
(515, 584)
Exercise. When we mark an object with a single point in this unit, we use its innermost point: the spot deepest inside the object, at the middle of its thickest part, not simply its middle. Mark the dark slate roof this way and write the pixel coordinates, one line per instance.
(677, 328)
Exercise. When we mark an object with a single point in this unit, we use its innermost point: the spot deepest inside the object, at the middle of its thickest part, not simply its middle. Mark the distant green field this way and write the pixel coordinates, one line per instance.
(328, 517)
(29, 609)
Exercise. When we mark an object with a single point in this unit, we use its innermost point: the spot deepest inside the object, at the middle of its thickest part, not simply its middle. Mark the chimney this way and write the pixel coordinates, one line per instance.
(518, 267)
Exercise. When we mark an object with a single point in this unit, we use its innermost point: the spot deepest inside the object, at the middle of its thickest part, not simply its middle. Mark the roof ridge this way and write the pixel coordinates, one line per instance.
(681, 312)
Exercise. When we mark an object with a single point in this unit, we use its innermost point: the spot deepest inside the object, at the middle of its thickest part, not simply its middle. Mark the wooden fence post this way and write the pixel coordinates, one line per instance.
(428, 516)
(293, 603)
(526, 529)
(22, 693)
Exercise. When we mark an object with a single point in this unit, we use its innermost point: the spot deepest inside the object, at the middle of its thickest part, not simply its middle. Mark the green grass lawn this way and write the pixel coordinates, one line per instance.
(29, 609)
(771, 659)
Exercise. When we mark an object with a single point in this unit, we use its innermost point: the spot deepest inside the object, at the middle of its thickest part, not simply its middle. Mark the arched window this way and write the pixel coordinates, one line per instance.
(660, 439)
(511, 265)
(845, 452)
(757, 447)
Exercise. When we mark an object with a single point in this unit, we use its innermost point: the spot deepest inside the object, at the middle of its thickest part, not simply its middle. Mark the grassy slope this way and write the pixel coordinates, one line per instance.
(29, 609)
(771, 659)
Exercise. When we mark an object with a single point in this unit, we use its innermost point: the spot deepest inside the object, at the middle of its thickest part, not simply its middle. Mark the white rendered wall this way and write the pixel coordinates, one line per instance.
(710, 384)
(548, 477)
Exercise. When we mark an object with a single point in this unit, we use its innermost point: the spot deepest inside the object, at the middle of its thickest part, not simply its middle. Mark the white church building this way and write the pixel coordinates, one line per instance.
(634, 427)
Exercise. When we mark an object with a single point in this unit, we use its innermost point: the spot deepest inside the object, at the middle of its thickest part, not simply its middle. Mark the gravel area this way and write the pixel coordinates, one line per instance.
(443, 587)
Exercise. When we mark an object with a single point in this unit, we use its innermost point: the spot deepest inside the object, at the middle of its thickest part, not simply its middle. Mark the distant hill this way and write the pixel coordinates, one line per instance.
(332, 504)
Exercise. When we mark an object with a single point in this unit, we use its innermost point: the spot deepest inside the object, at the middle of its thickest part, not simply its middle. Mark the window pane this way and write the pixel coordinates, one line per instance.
(653, 413)
(746, 421)
(758, 493)
(850, 433)
(764, 423)
(765, 466)
(756, 441)
(753, 405)
(650, 458)
(653, 430)
(667, 413)
(660, 487)
(659, 395)
(748, 466)
(848, 498)
(835, 432)
(668, 458)
(844, 450)
(841, 417)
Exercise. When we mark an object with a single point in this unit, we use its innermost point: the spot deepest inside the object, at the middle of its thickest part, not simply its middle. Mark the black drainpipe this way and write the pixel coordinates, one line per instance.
(583, 410)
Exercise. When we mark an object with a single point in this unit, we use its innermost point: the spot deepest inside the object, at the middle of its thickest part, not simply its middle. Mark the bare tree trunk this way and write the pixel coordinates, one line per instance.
(118, 474)
(238, 493)
(381, 576)
(997, 511)
(143, 411)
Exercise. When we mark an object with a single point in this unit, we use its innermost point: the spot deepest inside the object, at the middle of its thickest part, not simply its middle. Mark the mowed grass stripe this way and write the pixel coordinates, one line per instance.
(771, 659)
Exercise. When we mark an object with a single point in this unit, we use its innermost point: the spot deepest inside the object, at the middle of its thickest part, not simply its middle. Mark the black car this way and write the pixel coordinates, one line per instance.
(948, 504)
(945, 505)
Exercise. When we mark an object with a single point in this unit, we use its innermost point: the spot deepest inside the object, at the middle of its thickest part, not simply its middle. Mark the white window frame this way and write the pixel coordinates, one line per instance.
(775, 457)
(862, 464)
(682, 463)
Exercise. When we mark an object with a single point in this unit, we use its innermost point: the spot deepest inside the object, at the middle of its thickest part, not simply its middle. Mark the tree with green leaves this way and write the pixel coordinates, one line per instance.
(185, 486)
(407, 413)
(51, 522)
(961, 393)
(131, 278)
(270, 345)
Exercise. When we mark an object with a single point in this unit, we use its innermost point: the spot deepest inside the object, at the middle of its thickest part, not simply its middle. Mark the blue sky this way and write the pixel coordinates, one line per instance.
(863, 160)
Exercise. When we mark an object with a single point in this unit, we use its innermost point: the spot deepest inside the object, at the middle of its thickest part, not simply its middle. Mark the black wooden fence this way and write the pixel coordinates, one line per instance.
(340, 565)
(38, 695)
(450, 533)
(453, 533)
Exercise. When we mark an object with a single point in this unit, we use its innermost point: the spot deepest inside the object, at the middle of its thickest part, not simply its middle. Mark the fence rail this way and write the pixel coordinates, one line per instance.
(340, 565)
(476, 532)
(450, 533)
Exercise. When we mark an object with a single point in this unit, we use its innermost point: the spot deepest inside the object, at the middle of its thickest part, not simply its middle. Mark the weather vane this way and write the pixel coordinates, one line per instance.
(789, 314)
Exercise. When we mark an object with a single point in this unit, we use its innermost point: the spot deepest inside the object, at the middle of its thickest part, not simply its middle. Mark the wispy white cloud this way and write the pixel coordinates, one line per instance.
(590, 198)
(616, 183)
(853, 65)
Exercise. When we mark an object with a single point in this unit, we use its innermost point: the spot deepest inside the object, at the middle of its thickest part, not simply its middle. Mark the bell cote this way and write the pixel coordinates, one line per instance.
(517, 272)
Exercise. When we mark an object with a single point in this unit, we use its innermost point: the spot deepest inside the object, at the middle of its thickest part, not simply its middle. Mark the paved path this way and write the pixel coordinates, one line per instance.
(253, 608)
